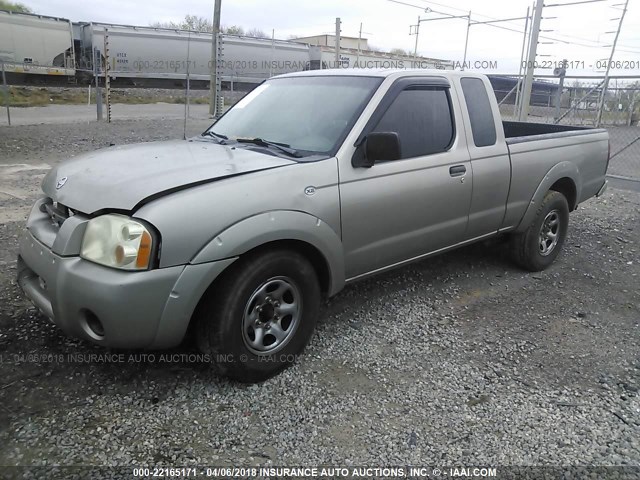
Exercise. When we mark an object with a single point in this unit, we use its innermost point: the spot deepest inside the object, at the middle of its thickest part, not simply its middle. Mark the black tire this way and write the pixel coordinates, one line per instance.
(220, 317)
(527, 247)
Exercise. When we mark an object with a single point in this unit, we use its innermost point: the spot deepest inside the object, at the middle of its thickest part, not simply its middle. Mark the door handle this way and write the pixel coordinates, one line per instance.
(457, 170)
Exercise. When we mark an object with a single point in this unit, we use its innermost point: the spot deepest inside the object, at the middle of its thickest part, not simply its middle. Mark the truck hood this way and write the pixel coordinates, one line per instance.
(122, 177)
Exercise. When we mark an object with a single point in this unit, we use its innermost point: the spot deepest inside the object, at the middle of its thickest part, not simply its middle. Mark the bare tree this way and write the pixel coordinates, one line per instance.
(232, 30)
(198, 24)
(398, 51)
(190, 22)
(202, 24)
(14, 7)
(256, 33)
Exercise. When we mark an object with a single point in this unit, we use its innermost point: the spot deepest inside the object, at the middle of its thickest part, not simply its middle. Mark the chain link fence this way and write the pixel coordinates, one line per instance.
(578, 103)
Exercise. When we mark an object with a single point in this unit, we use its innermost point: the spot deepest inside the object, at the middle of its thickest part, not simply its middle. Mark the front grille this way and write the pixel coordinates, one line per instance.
(57, 212)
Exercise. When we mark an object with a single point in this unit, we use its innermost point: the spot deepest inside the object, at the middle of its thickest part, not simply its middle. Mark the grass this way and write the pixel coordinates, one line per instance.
(38, 97)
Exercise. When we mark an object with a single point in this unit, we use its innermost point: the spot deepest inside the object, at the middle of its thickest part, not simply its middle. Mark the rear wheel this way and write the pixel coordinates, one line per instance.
(259, 315)
(538, 246)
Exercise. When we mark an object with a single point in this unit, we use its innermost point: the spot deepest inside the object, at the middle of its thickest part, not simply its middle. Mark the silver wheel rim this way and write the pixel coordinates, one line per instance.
(271, 316)
(549, 233)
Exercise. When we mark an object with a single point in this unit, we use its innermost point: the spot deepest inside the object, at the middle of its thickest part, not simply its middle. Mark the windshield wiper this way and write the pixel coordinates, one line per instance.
(221, 138)
(283, 147)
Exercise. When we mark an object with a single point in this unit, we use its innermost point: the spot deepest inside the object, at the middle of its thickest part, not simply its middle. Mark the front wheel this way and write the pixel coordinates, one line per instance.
(259, 315)
(538, 246)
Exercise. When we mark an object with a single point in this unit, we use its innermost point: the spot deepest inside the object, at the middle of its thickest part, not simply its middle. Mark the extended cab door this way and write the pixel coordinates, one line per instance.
(489, 155)
(398, 210)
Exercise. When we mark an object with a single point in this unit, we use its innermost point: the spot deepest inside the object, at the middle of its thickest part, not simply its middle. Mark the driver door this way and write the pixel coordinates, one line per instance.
(402, 209)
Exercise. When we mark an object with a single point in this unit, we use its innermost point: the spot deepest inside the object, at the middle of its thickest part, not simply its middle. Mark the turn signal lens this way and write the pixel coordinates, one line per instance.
(144, 251)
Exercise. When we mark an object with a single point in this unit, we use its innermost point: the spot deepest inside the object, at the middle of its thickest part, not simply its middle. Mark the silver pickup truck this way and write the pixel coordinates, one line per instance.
(310, 182)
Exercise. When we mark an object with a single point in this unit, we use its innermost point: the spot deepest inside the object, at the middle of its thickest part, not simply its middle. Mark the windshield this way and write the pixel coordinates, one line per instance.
(308, 114)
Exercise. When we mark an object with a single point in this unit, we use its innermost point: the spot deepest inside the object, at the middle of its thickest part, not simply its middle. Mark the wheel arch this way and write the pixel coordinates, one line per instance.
(567, 187)
(307, 250)
(564, 178)
(295, 230)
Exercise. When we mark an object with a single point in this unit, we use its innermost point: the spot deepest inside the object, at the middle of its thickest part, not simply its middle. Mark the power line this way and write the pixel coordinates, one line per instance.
(598, 43)
(573, 3)
(566, 42)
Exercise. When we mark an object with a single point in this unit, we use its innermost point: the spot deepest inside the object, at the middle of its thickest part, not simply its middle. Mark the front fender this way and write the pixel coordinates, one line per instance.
(277, 225)
(558, 171)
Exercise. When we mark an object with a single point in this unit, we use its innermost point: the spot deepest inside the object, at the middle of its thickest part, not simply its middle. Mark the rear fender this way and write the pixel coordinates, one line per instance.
(558, 171)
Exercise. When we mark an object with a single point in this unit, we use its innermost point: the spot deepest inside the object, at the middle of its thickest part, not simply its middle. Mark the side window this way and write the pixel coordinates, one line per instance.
(423, 120)
(483, 126)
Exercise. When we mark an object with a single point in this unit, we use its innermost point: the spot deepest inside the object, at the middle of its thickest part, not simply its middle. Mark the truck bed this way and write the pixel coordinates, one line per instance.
(536, 148)
(517, 132)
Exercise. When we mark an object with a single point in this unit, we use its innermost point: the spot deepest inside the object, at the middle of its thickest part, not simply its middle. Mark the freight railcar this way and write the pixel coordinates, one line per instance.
(36, 46)
(142, 53)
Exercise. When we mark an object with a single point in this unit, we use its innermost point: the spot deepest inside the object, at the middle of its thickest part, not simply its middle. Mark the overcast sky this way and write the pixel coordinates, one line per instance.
(577, 33)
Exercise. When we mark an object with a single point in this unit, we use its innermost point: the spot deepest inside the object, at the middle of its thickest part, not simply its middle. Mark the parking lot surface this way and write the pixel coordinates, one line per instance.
(459, 359)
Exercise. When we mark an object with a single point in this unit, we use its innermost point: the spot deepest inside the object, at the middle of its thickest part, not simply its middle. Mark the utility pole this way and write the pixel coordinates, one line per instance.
(519, 84)
(631, 108)
(466, 40)
(6, 93)
(529, 67)
(213, 75)
(561, 72)
(416, 32)
(107, 75)
(97, 60)
(471, 23)
(273, 49)
(186, 95)
(359, 42)
(603, 93)
(338, 31)
(446, 16)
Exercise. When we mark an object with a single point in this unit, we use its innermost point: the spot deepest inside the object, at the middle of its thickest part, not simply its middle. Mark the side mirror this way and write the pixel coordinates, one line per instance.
(378, 146)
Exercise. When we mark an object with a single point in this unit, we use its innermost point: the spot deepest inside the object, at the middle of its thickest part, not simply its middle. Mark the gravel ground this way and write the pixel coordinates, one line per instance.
(462, 359)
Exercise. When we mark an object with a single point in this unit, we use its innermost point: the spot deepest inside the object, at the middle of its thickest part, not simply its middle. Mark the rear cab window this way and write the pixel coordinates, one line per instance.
(483, 125)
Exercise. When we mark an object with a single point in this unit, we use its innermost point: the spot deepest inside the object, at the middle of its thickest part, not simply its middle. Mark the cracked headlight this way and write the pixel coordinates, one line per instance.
(117, 241)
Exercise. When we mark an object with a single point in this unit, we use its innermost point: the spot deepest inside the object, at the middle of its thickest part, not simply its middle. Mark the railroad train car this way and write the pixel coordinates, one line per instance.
(36, 45)
(138, 53)
(35, 48)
